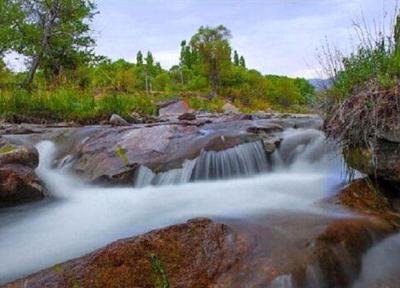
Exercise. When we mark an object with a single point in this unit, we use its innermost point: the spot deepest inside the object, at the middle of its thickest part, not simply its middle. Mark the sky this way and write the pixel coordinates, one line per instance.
(275, 36)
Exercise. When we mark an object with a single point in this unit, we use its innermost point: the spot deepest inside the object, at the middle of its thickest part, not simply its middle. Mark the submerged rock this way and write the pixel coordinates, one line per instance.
(18, 180)
(193, 254)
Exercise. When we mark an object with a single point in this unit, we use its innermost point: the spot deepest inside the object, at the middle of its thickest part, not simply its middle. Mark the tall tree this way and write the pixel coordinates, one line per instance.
(149, 59)
(53, 34)
(397, 34)
(214, 50)
(139, 58)
(236, 58)
(149, 71)
(242, 62)
(188, 56)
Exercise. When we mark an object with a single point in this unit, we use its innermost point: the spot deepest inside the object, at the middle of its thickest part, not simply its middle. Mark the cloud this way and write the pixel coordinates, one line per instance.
(167, 58)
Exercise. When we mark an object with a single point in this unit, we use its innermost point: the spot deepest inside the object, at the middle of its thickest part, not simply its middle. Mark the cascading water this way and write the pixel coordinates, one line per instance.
(381, 265)
(243, 160)
(81, 218)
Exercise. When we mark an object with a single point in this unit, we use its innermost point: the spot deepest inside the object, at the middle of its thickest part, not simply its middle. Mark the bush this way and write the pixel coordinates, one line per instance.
(364, 102)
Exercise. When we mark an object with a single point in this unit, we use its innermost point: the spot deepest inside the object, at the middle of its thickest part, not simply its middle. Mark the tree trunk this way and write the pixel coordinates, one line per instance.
(48, 26)
(32, 71)
(214, 79)
(146, 80)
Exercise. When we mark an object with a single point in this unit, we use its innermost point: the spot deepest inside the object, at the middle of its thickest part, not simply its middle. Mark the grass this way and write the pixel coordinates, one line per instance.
(91, 105)
(18, 105)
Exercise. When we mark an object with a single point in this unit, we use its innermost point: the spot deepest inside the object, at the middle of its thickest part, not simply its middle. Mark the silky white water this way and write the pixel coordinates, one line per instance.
(81, 218)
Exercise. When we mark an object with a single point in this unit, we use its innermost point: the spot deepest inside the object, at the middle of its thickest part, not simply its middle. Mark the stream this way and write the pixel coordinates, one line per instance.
(235, 186)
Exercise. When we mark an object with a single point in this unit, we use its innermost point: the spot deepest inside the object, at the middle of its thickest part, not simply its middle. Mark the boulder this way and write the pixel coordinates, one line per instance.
(383, 163)
(25, 155)
(18, 180)
(113, 154)
(193, 254)
(187, 117)
(230, 108)
(116, 120)
(173, 108)
(104, 154)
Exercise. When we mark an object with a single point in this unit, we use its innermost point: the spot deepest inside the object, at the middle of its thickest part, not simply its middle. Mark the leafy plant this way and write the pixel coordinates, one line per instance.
(161, 277)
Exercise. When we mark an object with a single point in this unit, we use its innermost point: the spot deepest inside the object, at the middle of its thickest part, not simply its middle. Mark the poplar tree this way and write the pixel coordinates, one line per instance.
(236, 58)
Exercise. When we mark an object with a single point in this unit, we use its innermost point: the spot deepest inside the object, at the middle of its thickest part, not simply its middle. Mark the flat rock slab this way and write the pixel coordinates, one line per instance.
(187, 255)
(113, 154)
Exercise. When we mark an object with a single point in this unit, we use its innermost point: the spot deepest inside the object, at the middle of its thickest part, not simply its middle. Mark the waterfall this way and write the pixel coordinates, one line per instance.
(242, 160)
(284, 281)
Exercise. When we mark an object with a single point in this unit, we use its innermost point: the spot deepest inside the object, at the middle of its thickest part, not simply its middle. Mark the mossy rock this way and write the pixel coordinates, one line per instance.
(361, 159)
(7, 148)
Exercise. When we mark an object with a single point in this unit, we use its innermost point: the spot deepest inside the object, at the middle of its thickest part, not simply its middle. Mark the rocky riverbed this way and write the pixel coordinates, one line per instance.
(281, 211)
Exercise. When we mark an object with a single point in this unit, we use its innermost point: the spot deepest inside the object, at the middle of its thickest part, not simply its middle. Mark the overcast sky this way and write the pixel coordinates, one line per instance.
(274, 36)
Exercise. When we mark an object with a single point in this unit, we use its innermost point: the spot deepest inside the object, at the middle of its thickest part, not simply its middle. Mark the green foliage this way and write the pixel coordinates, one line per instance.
(200, 103)
(236, 60)
(214, 52)
(242, 62)
(160, 275)
(53, 34)
(122, 154)
(7, 149)
(139, 58)
(71, 84)
(363, 103)
(377, 59)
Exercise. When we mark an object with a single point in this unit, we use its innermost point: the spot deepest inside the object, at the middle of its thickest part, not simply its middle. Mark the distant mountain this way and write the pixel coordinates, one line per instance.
(320, 84)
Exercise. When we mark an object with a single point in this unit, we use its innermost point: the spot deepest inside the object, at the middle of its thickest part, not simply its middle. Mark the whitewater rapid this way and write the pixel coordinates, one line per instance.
(80, 217)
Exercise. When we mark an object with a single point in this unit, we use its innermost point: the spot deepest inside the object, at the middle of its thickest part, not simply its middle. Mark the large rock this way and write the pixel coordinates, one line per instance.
(383, 163)
(173, 108)
(113, 154)
(187, 117)
(230, 108)
(193, 254)
(18, 180)
(116, 120)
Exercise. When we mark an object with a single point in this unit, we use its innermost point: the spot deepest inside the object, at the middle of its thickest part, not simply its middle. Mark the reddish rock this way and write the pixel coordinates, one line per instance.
(193, 254)
(368, 198)
(337, 252)
(19, 184)
(18, 181)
